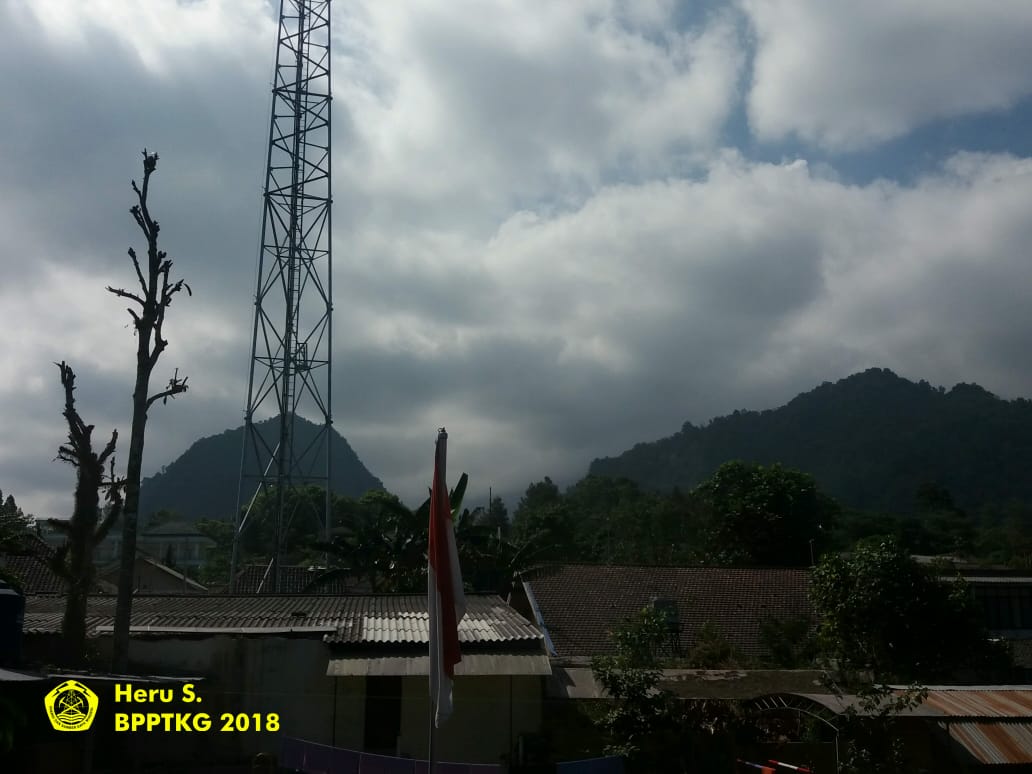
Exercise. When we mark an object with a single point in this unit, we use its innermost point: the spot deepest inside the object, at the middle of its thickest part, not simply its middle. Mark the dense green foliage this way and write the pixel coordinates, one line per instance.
(871, 738)
(870, 441)
(202, 482)
(743, 515)
(652, 728)
(882, 612)
(376, 540)
(15, 530)
(764, 515)
(14, 525)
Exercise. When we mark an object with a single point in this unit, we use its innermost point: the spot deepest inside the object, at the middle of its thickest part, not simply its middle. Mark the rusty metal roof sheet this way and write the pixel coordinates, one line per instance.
(953, 703)
(980, 703)
(993, 742)
(344, 620)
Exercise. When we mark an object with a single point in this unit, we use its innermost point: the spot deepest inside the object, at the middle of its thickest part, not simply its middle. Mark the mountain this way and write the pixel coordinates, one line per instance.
(870, 440)
(202, 483)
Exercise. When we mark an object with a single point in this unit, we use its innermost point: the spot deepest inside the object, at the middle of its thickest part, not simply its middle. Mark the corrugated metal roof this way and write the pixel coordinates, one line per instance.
(345, 620)
(954, 702)
(993, 743)
(472, 664)
(404, 619)
(1017, 580)
(981, 703)
(11, 676)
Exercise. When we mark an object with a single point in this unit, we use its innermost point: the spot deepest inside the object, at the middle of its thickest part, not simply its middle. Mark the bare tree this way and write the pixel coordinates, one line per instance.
(88, 526)
(155, 294)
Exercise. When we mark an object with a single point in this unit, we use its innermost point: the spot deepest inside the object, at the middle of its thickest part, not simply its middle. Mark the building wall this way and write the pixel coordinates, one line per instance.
(486, 723)
(270, 674)
(287, 676)
(348, 729)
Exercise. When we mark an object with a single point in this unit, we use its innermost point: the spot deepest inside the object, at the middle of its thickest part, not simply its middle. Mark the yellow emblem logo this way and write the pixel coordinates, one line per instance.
(71, 706)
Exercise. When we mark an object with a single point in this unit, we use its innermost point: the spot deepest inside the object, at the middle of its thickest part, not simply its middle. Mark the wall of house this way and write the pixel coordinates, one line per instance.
(288, 676)
(348, 728)
(267, 674)
(486, 723)
(281, 675)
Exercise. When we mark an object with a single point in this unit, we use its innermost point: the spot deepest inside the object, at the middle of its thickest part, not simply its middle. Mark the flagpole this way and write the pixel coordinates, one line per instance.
(433, 743)
(445, 599)
(440, 459)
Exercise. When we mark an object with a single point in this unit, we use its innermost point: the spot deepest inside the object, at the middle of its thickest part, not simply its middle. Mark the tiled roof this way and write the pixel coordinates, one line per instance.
(31, 568)
(32, 574)
(350, 620)
(581, 604)
(112, 570)
(256, 579)
(177, 529)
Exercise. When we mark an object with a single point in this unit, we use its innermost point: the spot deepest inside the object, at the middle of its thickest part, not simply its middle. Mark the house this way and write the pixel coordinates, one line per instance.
(578, 606)
(151, 576)
(295, 579)
(30, 569)
(953, 729)
(1005, 598)
(346, 671)
(175, 544)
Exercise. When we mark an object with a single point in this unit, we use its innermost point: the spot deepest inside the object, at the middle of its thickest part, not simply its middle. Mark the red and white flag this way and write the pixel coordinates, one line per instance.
(446, 601)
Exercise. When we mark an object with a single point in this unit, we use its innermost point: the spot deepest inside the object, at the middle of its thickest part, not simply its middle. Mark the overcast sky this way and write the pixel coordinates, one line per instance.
(560, 228)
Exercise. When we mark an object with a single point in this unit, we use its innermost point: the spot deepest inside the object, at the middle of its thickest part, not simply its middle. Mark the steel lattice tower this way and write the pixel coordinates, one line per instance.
(291, 344)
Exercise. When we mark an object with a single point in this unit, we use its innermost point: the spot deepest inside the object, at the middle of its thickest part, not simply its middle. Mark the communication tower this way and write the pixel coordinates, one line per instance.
(291, 343)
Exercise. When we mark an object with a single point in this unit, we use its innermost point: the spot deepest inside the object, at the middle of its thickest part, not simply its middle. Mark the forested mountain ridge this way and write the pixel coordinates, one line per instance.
(202, 483)
(870, 440)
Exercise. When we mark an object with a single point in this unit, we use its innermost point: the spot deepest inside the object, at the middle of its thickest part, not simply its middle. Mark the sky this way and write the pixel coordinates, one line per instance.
(560, 228)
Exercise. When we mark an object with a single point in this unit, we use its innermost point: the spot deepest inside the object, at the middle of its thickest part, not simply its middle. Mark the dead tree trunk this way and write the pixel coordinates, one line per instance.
(155, 295)
(88, 525)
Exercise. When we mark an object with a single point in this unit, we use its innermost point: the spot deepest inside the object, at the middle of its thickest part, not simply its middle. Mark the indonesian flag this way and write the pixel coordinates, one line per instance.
(446, 601)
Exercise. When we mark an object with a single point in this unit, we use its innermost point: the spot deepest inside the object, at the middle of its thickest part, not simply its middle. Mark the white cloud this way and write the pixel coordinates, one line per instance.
(167, 37)
(845, 74)
(538, 240)
(521, 103)
(671, 300)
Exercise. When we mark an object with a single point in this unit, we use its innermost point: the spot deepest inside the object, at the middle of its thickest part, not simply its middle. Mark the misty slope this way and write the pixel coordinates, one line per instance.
(870, 440)
(202, 482)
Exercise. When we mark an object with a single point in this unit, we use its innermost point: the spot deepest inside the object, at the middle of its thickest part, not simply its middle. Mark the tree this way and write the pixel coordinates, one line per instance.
(15, 532)
(941, 527)
(880, 611)
(89, 524)
(791, 642)
(650, 726)
(771, 516)
(538, 495)
(155, 295)
(496, 517)
(542, 524)
(216, 561)
(15, 526)
(871, 733)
